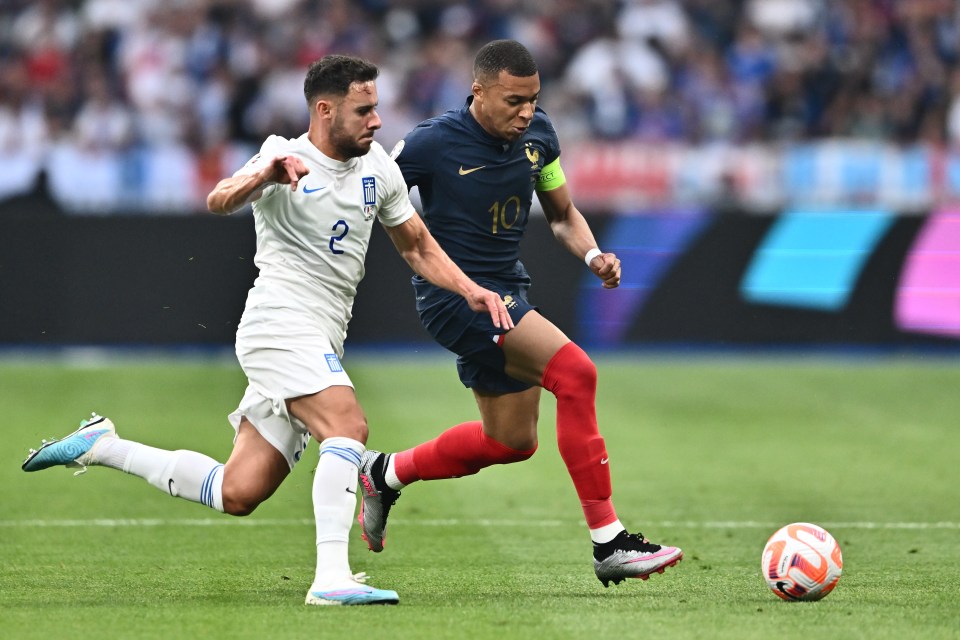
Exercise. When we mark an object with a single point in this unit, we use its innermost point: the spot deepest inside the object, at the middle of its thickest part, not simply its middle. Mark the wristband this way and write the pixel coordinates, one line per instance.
(593, 253)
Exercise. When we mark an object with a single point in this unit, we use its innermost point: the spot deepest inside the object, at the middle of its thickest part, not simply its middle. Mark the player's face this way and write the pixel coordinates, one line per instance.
(504, 107)
(354, 121)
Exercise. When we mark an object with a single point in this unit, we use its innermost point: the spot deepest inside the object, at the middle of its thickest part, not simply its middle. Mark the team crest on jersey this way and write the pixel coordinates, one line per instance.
(369, 196)
(333, 362)
(536, 161)
(533, 156)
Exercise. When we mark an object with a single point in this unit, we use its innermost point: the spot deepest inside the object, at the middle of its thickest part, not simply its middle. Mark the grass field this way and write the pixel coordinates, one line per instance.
(710, 454)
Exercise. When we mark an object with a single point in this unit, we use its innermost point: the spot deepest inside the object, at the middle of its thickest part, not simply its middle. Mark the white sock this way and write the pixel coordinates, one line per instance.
(334, 502)
(182, 474)
(390, 475)
(607, 532)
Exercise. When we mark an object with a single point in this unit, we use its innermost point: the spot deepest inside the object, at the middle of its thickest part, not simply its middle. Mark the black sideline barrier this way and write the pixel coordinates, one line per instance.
(182, 280)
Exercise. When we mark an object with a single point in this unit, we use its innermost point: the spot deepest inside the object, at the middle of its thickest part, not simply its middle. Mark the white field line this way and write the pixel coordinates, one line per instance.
(267, 522)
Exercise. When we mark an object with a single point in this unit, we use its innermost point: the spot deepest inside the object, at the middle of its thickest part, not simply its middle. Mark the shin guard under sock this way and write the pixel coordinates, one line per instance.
(572, 377)
(334, 500)
(183, 474)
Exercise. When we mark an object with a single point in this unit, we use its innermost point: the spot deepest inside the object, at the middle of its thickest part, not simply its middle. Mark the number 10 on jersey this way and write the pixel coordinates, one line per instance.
(510, 206)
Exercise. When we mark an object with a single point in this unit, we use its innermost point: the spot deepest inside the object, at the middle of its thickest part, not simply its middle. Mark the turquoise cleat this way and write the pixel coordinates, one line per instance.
(351, 592)
(74, 450)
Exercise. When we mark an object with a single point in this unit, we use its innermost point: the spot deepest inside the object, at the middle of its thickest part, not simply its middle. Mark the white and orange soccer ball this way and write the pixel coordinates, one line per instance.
(801, 561)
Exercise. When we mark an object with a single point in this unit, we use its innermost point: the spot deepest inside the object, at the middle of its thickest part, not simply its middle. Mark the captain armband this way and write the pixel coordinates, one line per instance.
(551, 177)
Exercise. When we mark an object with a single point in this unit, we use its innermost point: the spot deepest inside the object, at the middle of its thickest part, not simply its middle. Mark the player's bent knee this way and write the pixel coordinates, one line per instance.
(239, 501)
(361, 432)
(524, 447)
(569, 370)
(355, 430)
(584, 371)
(515, 435)
(500, 453)
(526, 454)
(239, 507)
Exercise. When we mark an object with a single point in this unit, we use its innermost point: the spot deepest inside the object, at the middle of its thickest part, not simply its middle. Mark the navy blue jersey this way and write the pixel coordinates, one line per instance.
(476, 189)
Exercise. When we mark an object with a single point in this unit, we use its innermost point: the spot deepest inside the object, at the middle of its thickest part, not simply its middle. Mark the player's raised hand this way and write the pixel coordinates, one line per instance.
(245, 187)
(483, 300)
(287, 170)
(606, 266)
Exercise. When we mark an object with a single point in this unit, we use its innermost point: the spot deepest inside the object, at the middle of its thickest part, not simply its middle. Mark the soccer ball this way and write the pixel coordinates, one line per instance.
(801, 561)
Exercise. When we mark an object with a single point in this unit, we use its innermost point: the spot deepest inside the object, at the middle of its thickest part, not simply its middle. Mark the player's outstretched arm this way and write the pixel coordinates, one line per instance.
(243, 188)
(421, 251)
(571, 229)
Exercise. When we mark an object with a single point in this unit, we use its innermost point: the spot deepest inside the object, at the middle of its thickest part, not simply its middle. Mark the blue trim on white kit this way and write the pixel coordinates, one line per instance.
(346, 453)
(206, 489)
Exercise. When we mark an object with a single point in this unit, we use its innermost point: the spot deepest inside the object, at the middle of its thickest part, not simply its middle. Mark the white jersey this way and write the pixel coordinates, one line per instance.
(311, 243)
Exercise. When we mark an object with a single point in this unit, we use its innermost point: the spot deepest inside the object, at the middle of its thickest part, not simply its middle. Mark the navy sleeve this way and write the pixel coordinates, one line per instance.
(415, 155)
(550, 138)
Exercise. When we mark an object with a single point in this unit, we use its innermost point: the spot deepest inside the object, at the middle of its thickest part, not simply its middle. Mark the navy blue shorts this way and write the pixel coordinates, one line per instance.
(455, 326)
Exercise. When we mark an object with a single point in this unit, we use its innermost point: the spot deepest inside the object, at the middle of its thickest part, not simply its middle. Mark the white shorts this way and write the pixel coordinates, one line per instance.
(280, 368)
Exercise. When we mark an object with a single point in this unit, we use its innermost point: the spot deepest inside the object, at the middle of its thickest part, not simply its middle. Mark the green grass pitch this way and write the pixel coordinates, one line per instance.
(710, 454)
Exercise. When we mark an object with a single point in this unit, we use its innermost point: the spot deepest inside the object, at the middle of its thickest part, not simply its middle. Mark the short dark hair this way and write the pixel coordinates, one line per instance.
(333, 75)
(503, 55)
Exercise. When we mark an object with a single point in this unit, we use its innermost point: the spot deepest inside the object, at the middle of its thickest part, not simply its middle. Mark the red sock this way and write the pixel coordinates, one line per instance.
(459, 451)
(572, 378)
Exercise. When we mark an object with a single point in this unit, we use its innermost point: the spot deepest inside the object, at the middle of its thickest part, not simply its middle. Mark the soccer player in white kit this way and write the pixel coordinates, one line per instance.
(314, 199)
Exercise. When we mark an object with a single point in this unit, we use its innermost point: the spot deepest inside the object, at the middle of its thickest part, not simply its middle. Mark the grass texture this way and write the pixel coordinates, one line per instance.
(709, 454)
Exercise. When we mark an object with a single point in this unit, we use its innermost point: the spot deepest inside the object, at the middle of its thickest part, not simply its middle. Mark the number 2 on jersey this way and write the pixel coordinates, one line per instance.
(343, 234)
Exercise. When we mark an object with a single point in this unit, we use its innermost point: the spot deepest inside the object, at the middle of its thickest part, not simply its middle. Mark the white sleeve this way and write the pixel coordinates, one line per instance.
(271, 147)
(396, 208)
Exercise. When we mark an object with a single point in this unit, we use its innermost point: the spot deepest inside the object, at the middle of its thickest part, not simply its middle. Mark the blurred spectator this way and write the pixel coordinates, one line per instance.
(103, 122)
(781, 18)
(23, 119)
(662, 23)
(436, 81)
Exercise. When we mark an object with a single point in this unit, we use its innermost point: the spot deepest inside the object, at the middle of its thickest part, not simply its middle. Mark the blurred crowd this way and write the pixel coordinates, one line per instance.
(118, 74)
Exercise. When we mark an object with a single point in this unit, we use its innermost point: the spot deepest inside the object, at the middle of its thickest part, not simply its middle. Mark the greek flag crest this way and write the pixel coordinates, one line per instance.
(369, 196)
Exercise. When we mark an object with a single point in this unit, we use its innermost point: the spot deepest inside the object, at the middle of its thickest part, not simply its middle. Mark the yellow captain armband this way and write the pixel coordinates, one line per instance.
(551, 177)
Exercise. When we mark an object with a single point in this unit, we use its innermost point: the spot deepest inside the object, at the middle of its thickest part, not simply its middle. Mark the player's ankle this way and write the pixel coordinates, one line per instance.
(606, 533)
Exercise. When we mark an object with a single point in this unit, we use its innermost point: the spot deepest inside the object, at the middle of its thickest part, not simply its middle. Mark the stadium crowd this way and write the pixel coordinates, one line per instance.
(107, 76)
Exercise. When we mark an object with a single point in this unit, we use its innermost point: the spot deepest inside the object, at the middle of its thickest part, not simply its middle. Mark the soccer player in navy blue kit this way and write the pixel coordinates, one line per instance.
(477, 169)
